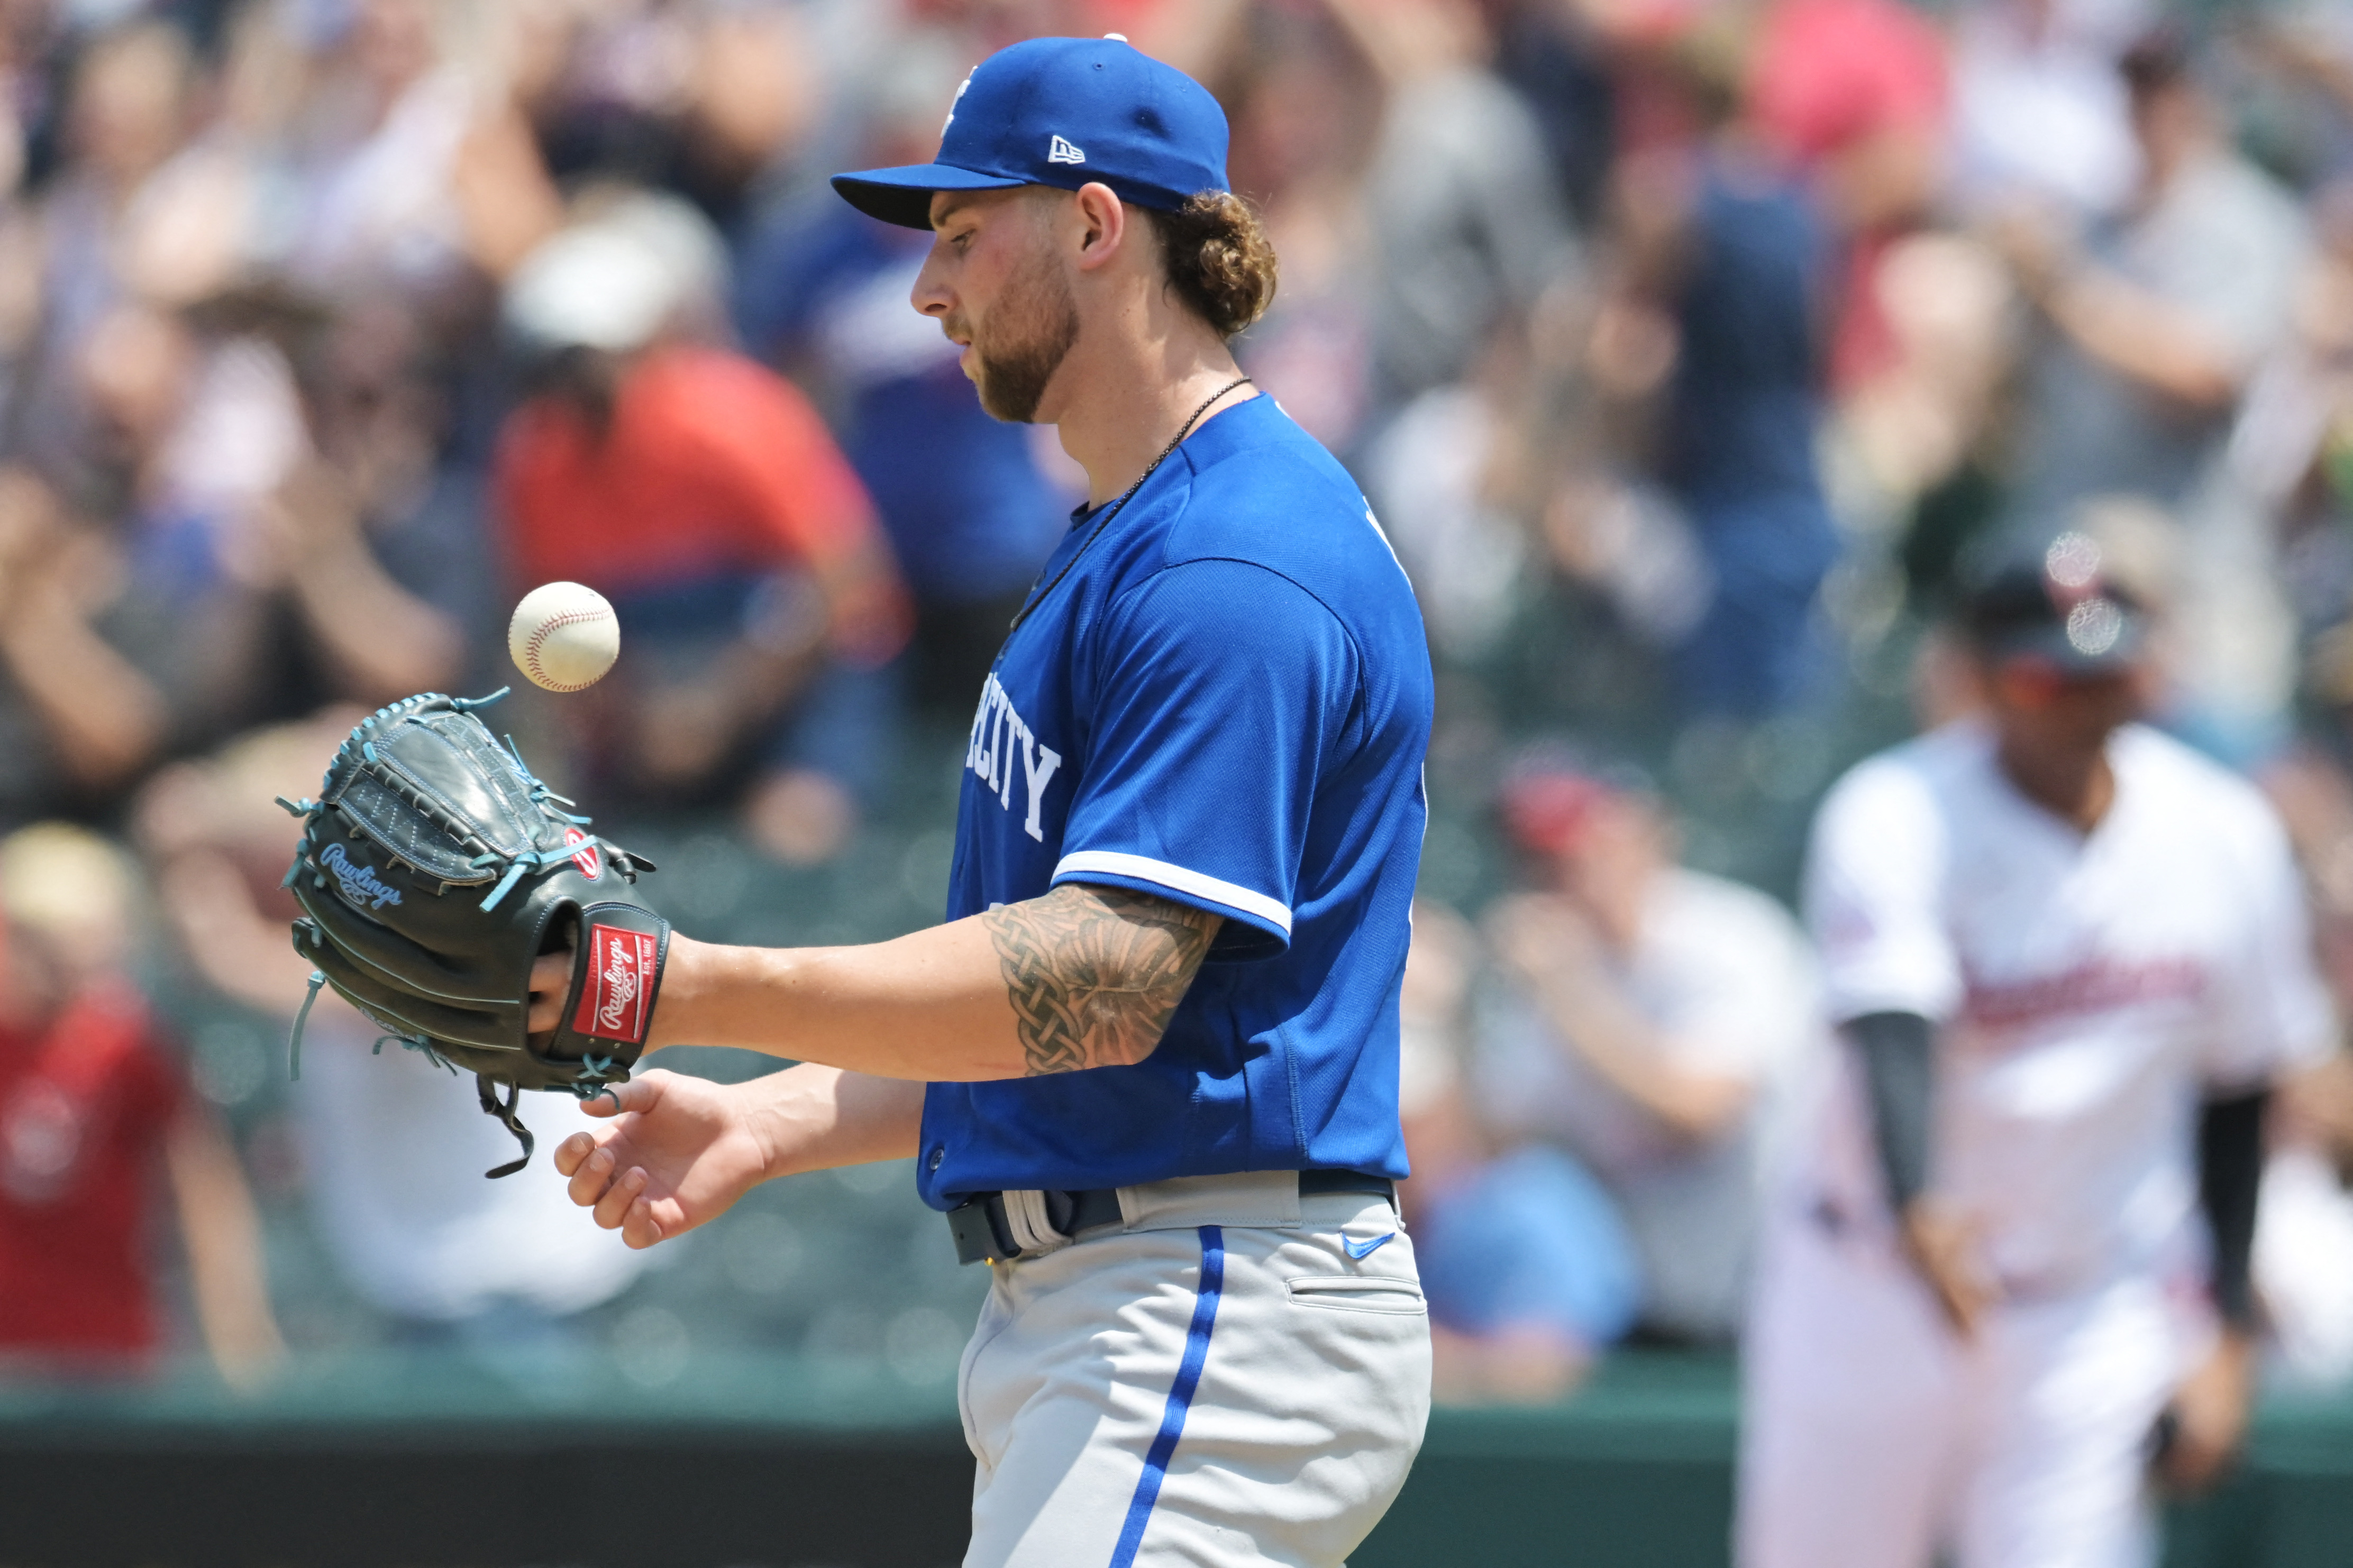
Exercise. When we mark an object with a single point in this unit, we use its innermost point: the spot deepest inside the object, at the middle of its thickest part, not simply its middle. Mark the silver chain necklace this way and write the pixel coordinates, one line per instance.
(1103, 521)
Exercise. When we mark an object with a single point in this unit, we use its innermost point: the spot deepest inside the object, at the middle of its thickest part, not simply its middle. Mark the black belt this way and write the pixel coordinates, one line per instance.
(983, 1235)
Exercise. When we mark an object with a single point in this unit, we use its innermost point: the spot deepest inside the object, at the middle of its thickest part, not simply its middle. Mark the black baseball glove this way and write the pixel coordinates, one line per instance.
(433, 870)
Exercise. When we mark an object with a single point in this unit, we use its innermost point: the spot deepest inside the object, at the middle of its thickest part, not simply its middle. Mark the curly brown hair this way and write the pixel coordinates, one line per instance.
(1219, 260)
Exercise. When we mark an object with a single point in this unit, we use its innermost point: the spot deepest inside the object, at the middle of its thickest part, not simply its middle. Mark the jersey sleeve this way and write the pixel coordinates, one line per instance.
(1222, 692)
(2273, 1011)
(1875, 880)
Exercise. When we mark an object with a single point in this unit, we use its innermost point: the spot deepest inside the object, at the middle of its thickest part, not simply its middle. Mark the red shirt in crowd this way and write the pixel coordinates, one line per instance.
(711, 463)
(1831, 75)
(84, 1106)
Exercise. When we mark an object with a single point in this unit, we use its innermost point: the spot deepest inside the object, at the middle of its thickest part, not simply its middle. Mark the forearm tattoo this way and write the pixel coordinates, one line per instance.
(1094, 973)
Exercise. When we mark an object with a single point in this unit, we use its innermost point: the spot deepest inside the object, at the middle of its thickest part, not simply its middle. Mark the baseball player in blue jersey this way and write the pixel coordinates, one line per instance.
(1149, 1067)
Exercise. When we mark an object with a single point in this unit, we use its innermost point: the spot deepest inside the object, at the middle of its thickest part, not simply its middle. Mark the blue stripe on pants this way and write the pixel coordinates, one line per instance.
(1180, 1397)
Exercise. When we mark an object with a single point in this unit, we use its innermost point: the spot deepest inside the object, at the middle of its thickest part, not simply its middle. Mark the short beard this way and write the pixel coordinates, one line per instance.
(1030, 333)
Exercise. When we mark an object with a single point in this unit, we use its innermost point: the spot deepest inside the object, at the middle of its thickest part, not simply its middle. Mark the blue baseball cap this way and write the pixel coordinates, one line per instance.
(1062, 112)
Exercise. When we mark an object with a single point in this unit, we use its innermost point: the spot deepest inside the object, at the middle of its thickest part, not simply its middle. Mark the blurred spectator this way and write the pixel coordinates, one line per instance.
(2039, 112)
(2153, 324)
(702, 496)
(91, 1101)
(1528, 1270)
(1442, 475)
(377, 172)
(1555, 53)
(374, 545)
(1950, 311)
(2289, 450)
(1727, 254)
(1308, 106)
(130, 579)
(697, 98)
(81, 705)
(2307, 48)
(1465, 226)
(129, 111)
(258, 518)
(970, 513)
(1657, 1021)
(444, 1253)
(1855, 93)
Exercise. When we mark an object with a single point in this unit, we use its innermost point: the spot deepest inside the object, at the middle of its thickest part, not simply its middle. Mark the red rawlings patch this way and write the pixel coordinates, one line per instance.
(588, 861)
(615, 1000)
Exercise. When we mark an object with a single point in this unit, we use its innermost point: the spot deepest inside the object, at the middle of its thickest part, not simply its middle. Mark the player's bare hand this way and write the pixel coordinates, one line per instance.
(550, 977)
(1944, 1244)
(2209, 1416)
(678, 1152)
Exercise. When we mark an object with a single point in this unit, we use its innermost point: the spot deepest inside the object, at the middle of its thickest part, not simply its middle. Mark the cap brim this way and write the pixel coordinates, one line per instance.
(2053, 646)
(903, 196)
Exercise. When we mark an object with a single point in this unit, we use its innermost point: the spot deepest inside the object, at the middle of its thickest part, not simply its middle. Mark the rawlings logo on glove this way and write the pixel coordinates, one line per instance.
(358, 880)
(621, 966)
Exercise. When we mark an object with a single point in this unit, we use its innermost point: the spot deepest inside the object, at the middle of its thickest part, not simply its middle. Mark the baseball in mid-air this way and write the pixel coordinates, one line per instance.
(563, 636)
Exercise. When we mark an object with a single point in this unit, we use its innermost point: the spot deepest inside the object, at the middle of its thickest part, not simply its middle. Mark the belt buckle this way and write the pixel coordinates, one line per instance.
(978, 1224)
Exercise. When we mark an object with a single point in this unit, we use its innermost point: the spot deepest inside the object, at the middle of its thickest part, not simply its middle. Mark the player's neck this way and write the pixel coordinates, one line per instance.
(2074, 785)
(1124, 393)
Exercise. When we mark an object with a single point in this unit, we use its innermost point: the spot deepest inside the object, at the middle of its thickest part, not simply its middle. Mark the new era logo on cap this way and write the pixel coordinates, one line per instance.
(1062, 151)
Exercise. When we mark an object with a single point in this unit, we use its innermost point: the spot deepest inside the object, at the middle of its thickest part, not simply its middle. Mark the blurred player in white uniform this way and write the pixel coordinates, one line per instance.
(2067, 957)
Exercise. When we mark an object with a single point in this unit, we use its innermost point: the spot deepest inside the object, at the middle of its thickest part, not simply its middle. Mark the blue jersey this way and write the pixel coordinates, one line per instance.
(1225, 704)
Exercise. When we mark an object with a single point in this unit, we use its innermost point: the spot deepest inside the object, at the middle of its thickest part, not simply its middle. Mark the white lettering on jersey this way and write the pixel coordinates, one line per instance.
(975, 758)
(1041, 763)
(1009, 728)
(989, 755)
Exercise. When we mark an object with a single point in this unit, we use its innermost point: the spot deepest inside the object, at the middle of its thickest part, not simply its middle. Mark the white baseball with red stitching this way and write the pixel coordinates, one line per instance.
(563, 636)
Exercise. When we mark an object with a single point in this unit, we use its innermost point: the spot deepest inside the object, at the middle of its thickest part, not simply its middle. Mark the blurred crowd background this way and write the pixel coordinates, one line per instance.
(1686, 348)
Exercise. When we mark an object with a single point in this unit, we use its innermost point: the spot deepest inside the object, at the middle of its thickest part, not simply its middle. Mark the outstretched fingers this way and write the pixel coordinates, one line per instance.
(643, 1226)
(572, 1151)
(588, 1160)
(618, 1200)
(620, 1193)
(613, 1193)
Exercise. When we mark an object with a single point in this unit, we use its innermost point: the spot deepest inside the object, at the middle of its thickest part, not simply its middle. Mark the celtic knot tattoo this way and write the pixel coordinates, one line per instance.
(1095, 973)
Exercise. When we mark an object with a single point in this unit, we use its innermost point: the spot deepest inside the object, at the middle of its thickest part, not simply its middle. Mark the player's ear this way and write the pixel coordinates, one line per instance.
(1103, 224)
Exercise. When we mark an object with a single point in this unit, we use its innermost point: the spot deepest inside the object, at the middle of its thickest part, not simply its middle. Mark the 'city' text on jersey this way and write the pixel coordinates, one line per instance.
(1000, 741)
